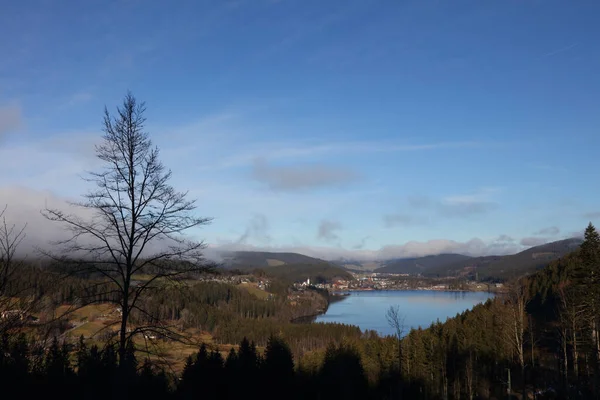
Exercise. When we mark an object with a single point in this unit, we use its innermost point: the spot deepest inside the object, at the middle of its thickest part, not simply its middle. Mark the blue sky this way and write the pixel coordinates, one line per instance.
(335, 128)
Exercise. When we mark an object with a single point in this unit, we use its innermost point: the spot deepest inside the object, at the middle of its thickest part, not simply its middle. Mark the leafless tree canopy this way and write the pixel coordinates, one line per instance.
(11, 307)
(137, 218)
(395, 320)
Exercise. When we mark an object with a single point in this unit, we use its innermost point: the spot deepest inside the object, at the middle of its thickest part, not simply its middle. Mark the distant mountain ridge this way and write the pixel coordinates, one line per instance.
(509, 266)
(486, 267)
(499, 267)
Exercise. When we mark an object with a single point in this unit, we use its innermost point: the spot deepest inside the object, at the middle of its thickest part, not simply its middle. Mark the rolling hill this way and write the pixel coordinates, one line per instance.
(295, 267)
(510, 266)
(488, 267)
(420, 265)
(259, 259)
(291, 267)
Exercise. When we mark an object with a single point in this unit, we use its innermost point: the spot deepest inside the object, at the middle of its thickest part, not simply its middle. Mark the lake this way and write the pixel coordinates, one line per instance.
(367, 309)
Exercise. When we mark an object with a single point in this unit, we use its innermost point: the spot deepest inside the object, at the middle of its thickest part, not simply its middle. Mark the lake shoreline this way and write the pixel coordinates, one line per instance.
(493, 290)
(366, 309)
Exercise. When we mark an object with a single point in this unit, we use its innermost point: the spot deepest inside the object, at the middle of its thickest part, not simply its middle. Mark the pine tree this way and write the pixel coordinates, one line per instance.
(342, 375)
(57, 364)
(590, 260)
(278, 368)
(82, 358)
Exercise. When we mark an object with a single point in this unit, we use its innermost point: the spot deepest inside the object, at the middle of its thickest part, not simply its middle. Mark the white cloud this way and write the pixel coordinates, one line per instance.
(53, 163)
(24, 207)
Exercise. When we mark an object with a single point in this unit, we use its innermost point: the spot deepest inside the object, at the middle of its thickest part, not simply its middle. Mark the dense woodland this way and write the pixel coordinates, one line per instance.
(541, 337)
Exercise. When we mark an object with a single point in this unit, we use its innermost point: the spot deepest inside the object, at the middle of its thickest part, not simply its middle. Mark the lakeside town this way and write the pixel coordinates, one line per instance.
(386, 281)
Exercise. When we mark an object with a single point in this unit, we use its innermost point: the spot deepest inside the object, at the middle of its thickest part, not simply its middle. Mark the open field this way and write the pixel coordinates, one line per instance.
(255, 291)
(87, 313)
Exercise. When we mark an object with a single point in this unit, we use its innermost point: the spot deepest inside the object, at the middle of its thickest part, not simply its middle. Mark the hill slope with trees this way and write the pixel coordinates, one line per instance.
(510, 266)
(419, 265)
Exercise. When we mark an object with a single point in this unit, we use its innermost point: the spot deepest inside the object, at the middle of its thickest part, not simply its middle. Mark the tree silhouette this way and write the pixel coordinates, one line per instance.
(342, 375)
(277, 368)
(136, 224)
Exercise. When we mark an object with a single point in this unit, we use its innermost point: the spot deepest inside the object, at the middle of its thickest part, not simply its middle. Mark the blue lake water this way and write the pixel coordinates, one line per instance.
(367, 309)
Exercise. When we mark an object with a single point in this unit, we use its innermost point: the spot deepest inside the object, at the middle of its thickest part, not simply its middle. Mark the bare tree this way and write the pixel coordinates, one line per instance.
(516, 302)
(11, 304)
(395, 320)
(136, 225)
(572, 318)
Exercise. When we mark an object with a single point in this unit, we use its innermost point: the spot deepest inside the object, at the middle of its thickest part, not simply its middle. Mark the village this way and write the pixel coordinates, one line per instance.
(381, 281)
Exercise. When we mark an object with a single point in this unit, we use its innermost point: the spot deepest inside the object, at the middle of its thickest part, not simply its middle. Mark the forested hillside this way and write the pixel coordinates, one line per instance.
(253, 259)
(421, 265)
(510, 266)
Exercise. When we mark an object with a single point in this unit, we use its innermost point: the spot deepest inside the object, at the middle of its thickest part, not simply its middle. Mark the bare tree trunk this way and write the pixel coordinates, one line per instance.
(575, 352)
(469, 375)
(531, 340)
(565, 336)
(123, 328)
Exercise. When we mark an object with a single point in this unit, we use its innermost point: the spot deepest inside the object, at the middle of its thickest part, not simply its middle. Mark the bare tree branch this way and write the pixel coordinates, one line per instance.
(137, 220)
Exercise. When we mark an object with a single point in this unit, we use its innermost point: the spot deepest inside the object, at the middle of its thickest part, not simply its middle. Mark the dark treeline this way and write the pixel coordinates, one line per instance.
(60, 370)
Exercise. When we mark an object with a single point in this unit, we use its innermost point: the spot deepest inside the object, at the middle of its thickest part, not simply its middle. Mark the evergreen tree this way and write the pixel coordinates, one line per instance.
(277, 368)
(248, 363)
(82, 357)
(152, 385)
(590, 259)
(342, 375)
(57, 364)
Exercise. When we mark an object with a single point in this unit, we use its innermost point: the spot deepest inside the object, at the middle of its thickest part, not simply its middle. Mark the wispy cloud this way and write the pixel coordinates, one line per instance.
(327, 230)
(549, 231)
(560, 50)
(77, 99)
(301, 177)
(426, 209)
(11, 119)
(394, 220)
(418, 201)
(592, 215)
(257, 230)
(533, 241)
(298, 150)
(361, 245)
(504, 238)
(465, 205)
(55, 162)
